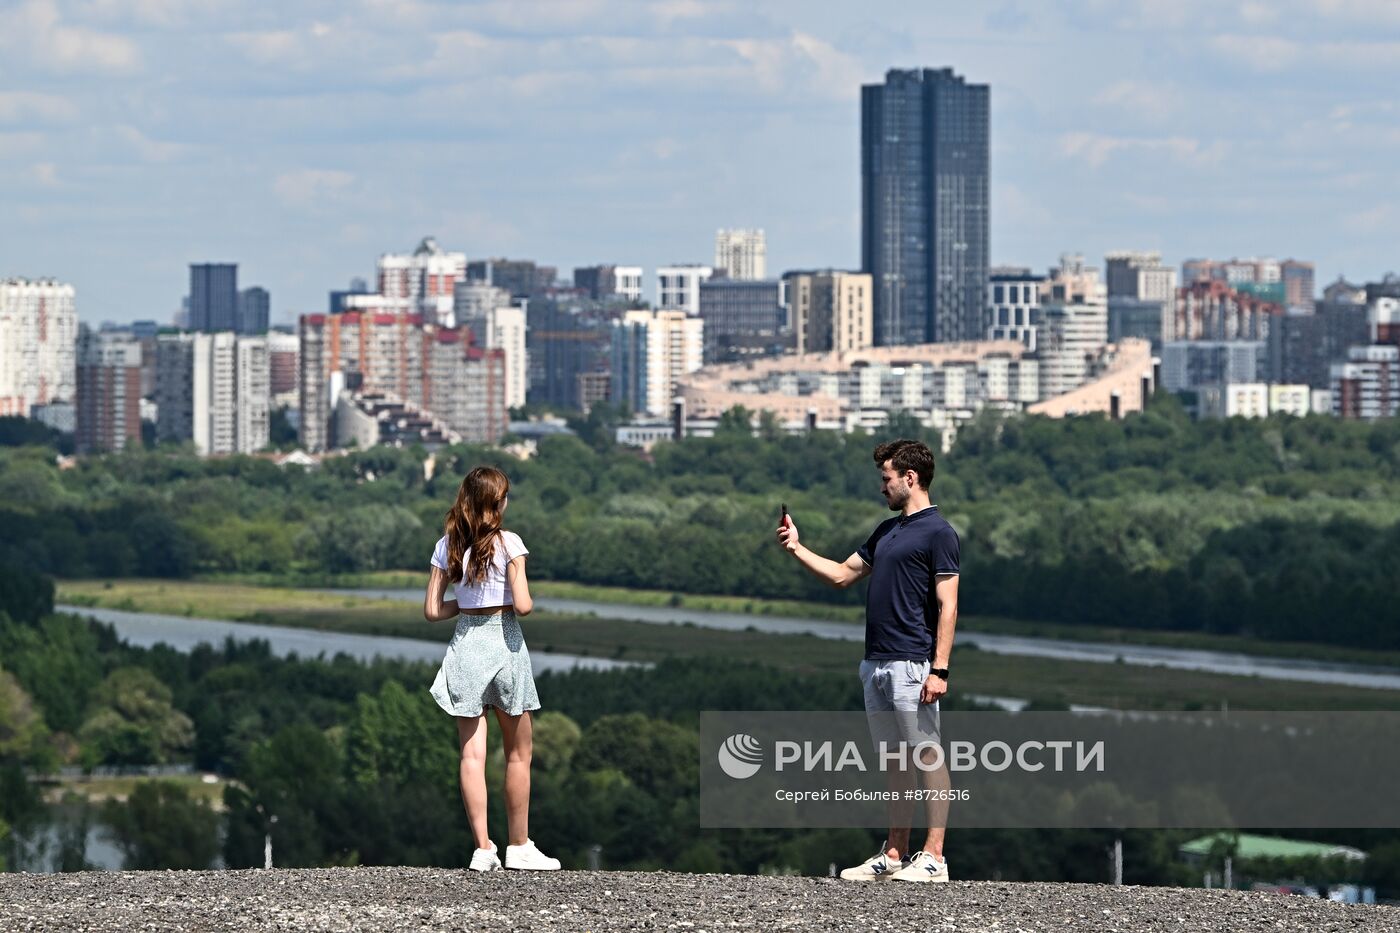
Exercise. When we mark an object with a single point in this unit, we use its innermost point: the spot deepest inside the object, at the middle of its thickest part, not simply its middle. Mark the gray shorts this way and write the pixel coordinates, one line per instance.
(892, 704)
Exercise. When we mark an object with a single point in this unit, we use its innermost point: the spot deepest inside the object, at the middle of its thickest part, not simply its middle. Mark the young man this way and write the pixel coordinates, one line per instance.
(910, 613)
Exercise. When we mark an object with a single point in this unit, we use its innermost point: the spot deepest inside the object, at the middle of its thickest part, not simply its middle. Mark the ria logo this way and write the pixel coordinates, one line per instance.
(740, 756)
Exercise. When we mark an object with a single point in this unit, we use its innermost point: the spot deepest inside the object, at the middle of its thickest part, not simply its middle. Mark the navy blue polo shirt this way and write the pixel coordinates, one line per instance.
(905, 553)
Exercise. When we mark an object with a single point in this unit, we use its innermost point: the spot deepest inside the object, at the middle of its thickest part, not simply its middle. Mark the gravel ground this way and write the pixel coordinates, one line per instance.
(422, 899)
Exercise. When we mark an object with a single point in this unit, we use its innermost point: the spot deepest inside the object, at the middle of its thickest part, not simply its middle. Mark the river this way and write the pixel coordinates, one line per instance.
(145, 629)
(1216, 662)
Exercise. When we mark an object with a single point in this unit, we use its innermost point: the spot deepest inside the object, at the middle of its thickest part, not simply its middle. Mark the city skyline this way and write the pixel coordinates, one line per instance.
(138, 137)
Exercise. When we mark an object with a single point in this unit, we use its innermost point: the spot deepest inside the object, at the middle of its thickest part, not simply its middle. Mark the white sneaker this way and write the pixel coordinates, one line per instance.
(485, 860)
(529, 858)
(879, 867)
(923, 867)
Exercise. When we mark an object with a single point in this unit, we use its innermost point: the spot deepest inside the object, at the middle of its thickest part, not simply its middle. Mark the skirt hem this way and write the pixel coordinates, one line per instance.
(481, 710)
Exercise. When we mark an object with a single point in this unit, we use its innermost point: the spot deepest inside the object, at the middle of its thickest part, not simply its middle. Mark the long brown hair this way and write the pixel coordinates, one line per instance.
(474, 522)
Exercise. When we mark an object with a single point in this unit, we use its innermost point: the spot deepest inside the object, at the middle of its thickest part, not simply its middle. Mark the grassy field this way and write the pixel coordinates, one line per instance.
(98, 789)
(1112, 685)
(559, 589)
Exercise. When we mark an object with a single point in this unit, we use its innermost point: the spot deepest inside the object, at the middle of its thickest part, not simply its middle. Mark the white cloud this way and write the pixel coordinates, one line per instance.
(1367, 56)
(1258, 12)
(1097, 148)
(17, 106)
(163, 13)
(1368, 12)
(1372, 220)
(1260, 53)
(34, 32)
(148, 149)
(1151, 100)
(309, 186)
(776, 65)
(274, 47)
(668, 12)
(45, 174)
(20, 142)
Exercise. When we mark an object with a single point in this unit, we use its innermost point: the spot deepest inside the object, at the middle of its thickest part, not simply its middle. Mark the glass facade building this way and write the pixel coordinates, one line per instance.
(925, 164)
(213, 296)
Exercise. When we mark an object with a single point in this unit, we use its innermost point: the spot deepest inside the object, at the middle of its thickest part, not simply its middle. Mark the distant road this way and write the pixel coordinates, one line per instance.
(1216, 662)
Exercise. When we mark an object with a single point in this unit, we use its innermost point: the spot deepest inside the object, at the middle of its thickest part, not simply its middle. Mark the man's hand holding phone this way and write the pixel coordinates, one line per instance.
(787, 532)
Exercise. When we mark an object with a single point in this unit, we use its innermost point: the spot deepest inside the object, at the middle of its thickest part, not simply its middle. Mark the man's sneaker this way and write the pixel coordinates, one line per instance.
(529, 858)
(879, 867)
(485, 860)
(923, 867)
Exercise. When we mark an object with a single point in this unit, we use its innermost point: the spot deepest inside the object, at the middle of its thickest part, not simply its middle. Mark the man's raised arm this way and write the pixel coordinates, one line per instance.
(824, 569)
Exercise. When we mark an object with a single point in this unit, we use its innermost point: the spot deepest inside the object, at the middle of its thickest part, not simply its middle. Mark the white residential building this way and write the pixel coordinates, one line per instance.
(742, 253)
(678, 287)
(38, 344)
(503, 328)
(628, 282)
(651, 351)
(474, 299)
(425, 278)
(213, 389)
(830, 310)
(1234, 400)
(1139, 275)
(1290, 400)
(1071, 338)
(1013, 305)
(252, 394)
(1367, 385)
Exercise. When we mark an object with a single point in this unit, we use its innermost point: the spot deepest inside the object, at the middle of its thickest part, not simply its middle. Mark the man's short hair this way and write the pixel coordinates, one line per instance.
(904, 455)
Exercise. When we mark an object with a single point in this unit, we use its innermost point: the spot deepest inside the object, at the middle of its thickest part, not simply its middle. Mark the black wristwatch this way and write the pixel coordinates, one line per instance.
(940, 672)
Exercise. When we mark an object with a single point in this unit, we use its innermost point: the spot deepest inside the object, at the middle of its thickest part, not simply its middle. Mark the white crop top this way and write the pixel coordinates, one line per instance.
(493, 590)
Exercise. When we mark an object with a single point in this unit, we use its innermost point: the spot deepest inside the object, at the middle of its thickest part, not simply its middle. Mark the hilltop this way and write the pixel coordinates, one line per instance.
(383, 899)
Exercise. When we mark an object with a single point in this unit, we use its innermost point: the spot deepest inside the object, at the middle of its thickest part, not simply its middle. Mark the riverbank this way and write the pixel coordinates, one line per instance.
(992, 625)
(1045, 681)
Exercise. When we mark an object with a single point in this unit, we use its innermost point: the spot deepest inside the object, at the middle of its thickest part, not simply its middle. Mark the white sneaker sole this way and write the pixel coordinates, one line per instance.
(868, 879)
(922, 877)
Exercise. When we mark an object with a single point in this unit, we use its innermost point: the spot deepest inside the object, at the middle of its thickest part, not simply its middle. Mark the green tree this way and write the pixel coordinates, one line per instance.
(25, 596)
(370, 537)
(160, 826)
(134, 722)
(23, 735)
(657, 756)
(297, 776)
(398, 738)
(59, 662)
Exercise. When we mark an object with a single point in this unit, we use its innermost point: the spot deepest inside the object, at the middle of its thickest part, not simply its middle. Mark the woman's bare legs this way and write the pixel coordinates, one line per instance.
(471, 736)
(517, 733)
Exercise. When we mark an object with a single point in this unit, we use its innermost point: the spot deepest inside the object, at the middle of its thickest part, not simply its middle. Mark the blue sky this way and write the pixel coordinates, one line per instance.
(302, 139)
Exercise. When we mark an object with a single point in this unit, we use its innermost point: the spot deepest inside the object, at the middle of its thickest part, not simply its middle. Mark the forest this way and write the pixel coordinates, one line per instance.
(359, 765)
(1279, 528)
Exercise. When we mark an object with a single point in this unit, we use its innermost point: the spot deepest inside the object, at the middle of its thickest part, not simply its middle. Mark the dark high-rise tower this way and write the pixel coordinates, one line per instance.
(924, 159)
(213, 296)
(254, 311)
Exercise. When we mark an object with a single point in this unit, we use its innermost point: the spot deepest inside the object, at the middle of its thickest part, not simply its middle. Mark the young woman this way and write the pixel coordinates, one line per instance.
(487, 663)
